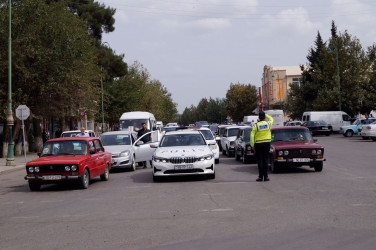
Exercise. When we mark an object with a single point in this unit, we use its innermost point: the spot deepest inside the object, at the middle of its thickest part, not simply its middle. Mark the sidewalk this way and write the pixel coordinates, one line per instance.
(18, 160)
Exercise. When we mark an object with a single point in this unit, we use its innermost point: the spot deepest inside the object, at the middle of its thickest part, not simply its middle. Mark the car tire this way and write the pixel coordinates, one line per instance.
(237, 157)
(274, 166)
(245, 159)
(349, 133)
(318, 166)
(34, 186)
(223, 152)
(84, 179)
(373, 138)
(216, 161)
(211, 176)
(106, 174)
(133, 166)
(156, 178)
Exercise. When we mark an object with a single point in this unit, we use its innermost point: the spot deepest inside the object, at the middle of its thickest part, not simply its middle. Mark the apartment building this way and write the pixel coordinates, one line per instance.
(276, 83)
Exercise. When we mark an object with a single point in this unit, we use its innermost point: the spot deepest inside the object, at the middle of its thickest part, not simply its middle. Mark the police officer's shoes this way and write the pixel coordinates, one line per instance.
(259, 179)
(266, 179)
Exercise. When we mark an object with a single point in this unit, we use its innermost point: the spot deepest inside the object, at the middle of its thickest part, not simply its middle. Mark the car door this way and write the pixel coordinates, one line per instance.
(101, 164)
(143, 151)
(93, 162)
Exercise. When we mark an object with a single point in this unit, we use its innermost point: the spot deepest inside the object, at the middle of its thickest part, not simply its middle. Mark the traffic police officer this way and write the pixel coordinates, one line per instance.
(260, 143)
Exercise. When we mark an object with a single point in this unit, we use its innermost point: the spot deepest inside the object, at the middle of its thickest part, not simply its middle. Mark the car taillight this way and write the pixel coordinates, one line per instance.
(368, 127)
(318, 127)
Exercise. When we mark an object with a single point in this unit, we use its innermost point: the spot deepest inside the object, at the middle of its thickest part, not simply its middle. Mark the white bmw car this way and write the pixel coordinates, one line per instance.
(183, 152)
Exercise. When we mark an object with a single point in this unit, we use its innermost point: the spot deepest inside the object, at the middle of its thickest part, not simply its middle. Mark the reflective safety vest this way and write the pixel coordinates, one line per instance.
(261, 131)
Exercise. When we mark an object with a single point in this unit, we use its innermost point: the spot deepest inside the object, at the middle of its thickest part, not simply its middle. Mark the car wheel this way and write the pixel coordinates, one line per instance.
(211, 176)
(84, 180)
(216, 161)
(318, 166)
(34, 186)
(106, 174)
(223, 152)
(373, 138)
(245, 159)
(237, 157)
(133, 167)
(349, 133)
(274, 166)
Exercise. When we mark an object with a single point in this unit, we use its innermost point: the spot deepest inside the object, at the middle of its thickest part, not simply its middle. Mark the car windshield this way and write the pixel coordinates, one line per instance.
(69, 134)
(291, 135)
(247, 134)
(182, 140)
(232, 132)
(118, 139)
(207, 134)
(133, 124)
(317, 123)
(64, 148)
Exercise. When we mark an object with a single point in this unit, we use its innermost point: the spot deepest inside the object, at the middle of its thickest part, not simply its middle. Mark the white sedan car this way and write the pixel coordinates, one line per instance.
(209, 137)
(183, 152)
(368, 131)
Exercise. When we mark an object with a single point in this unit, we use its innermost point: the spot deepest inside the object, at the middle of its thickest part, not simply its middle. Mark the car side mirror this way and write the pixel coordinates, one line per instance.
(315, 140)
(92, 152)
(139, 143)
(39, 154)
(212, 144)
(154, 145)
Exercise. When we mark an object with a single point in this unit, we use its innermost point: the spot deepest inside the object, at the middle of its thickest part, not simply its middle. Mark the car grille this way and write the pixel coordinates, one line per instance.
(52, 168)
(184, 171)
(179, 160)
(300, 151)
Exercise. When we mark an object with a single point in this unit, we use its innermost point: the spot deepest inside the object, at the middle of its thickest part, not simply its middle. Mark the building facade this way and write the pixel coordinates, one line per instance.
(276, 83)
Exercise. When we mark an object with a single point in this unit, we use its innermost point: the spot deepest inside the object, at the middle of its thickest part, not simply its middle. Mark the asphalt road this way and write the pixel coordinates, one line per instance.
(297, 209)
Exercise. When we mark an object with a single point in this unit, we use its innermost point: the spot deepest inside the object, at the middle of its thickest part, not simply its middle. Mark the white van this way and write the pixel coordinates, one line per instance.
(132, 120)
(278, 116)
(250, 119)
(334, 118)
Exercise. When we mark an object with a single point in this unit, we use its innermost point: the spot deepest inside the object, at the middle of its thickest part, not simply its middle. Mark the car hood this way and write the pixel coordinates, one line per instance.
(231, 138)
(117, 149)
(295, 144)
(58, 159)
(183, 151)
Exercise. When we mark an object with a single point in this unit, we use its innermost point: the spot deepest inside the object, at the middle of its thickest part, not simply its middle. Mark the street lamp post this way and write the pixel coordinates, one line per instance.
(10, 121)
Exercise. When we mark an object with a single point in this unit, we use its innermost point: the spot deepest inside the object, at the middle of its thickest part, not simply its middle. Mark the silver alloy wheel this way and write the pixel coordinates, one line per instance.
(133, 164)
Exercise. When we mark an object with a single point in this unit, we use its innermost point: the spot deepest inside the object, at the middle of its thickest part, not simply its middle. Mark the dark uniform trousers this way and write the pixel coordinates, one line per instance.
(262, 154)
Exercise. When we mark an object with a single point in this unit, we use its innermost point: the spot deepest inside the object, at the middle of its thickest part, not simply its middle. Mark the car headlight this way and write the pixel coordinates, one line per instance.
(124, 153)
(67, 168)
(74, 168)
(31, 169)
(286, 152)
(160, 159)
(319, 151)
(280, 153)
(36, 169)
(249, 147)
(314, 152)
(205, 157)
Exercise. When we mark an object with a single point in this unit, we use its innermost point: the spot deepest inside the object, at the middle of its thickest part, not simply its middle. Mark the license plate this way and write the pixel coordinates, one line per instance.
(301, 160)
(325, 128)
(51, 177)
(181, 167)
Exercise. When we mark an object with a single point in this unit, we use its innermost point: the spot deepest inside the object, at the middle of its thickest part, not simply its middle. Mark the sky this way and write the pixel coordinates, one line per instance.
(197, 48)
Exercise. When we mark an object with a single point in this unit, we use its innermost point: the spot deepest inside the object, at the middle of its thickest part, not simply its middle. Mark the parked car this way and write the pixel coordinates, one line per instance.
(349, 131)
(319, 127)
(209, 137)
(69, 159)
(294, 123)
(369, 131)
(295, 147)
(243, 149)
(73, 133)
(218, 134)
(120, 145)
(228, 140)
(182, 152)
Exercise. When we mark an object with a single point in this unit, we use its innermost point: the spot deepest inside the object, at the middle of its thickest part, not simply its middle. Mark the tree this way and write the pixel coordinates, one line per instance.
(241, 100)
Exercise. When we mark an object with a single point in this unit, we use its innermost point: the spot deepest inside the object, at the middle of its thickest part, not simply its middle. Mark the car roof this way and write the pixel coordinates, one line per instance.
(74, 131)
(183, 131)
(122, 132)
(204, 128)
(290, 128)
(245, 127)
(73, 139)
(229, 127)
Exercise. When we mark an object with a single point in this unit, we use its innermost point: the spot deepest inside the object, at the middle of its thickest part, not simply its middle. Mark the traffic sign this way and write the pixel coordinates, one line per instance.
(22, 112)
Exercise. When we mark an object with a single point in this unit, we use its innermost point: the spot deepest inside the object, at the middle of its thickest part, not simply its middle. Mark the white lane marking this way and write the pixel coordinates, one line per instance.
(217, 210)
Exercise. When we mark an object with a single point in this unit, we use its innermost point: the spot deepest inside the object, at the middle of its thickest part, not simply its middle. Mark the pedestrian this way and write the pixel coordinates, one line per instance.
(367, 121)
(83, 133)
(45, 136)
(260, 143)
(145, 139)
(58, 133)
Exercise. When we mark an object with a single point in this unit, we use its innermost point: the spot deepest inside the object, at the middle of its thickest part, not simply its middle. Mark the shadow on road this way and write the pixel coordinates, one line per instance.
(147, 177)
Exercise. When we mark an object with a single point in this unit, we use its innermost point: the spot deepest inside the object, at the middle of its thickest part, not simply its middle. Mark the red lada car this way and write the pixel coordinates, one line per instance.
(294, 147)
(69, 159)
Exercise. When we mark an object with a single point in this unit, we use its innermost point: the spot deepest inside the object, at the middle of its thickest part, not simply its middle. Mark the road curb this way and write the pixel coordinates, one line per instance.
(10, 169)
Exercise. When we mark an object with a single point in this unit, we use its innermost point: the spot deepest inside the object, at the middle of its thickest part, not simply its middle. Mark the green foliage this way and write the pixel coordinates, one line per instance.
(241, 100)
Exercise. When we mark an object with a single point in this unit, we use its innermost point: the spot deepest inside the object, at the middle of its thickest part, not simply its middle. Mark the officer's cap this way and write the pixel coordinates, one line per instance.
(262, 114)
